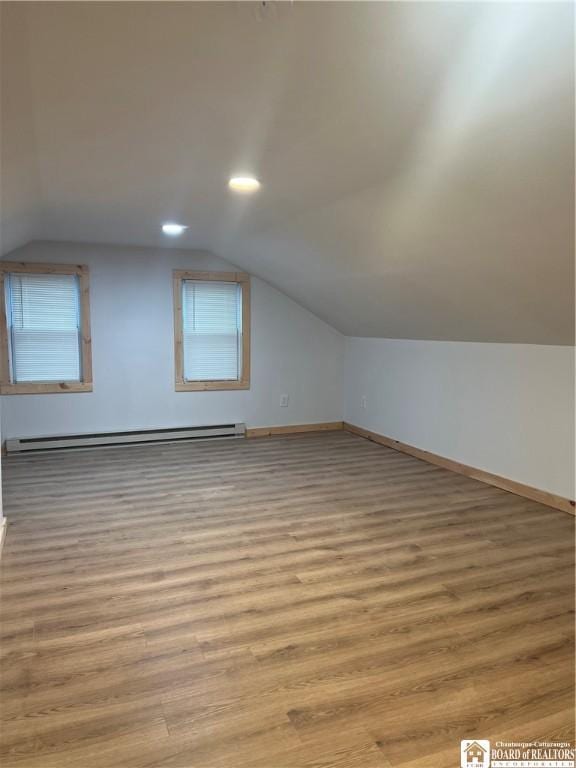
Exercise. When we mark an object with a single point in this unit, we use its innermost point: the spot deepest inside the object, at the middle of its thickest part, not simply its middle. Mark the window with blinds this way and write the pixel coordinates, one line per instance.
(44, 327)
(211, 330)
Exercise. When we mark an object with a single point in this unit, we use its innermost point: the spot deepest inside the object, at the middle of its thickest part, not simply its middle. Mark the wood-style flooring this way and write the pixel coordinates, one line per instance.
(317, 601)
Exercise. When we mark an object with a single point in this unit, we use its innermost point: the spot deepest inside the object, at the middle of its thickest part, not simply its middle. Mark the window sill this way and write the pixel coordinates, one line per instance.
(207, 386)
(45, 388)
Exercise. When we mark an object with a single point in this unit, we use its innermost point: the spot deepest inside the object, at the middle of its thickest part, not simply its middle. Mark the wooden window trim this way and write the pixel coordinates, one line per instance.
(204, 386)
(50, 387)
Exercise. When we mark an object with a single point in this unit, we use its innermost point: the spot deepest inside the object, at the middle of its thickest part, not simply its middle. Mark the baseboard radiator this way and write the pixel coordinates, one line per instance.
(102, 439)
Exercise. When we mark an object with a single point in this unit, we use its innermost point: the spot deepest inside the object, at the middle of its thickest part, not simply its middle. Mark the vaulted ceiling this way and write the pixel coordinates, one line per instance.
(416, 159)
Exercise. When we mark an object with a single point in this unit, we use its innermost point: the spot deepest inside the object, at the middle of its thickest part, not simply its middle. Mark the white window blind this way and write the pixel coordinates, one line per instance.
(212, 330)
(43, 313)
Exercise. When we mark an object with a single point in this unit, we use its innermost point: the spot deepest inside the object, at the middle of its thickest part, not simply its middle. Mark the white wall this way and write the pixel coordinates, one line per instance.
(504, 408)
(293, 352)
(20, 181)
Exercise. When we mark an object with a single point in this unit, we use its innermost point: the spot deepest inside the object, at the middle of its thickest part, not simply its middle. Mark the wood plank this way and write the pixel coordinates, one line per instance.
(307, 601)
(505, 483)
(294, 429)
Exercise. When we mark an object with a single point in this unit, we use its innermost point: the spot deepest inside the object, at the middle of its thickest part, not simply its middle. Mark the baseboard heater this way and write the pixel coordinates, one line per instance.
(95, 439)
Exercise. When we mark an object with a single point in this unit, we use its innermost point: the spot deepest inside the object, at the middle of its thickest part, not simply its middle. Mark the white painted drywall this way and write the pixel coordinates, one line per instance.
(20, 179)
(504, 408)
(419, 185)
(293, 352)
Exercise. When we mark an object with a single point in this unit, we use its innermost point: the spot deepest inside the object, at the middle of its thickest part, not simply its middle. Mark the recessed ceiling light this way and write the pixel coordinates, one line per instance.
(173, 229)
(244, 184)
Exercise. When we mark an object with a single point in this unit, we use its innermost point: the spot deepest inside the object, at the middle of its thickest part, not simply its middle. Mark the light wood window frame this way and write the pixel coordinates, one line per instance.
(243, 280)
(7, 387)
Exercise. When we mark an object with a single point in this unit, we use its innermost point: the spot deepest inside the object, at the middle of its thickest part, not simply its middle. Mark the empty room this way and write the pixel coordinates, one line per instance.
(287, 319)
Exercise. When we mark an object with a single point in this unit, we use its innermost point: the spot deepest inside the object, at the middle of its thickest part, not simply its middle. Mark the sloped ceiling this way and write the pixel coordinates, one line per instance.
(416, 159)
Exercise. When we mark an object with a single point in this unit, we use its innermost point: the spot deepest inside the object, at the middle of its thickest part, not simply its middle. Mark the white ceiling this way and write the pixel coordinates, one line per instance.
(416, 159)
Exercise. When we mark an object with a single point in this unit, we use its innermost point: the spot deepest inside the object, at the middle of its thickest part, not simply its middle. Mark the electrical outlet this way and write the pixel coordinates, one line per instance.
(363, 402)
(284, 400)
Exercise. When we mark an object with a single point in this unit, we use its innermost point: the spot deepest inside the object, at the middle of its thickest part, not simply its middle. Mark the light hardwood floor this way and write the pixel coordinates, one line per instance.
(315, 601)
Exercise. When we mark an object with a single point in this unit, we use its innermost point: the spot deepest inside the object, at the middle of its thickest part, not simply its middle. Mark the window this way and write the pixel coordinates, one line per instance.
(45, 329)
(212, 330)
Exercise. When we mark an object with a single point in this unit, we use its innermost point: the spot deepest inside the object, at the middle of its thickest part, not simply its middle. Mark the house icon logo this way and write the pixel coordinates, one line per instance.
(475, 754)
